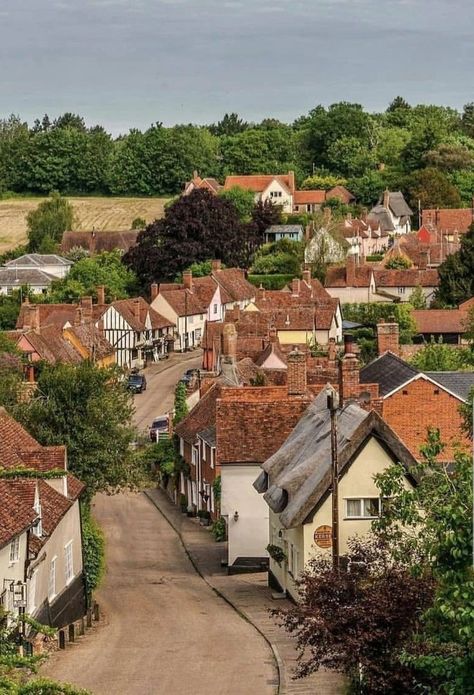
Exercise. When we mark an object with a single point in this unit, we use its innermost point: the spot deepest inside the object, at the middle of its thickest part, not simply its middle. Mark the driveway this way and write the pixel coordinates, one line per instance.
(166, 631)
(161, 380)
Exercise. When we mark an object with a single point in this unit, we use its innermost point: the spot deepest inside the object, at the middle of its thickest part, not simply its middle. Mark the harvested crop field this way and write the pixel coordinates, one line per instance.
(113, 214)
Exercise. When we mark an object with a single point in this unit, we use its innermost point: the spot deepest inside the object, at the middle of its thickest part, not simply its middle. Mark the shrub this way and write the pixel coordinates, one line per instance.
(219, 530)
(94, 551)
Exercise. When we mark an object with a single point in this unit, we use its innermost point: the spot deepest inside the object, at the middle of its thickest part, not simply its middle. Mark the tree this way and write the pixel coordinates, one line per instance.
(231, 124)
(323, 180)
(467, 119)
(86, 408)
(195, 228)
(138, 223)
(437, 357)
(449, 157)
(432, 189)
(87, 274)
(456, 273)
(398, 112)
(432, 524)
(358, 621)
(417, 298)
(398, 263)
(242, 199)
(264, 215)
(47, 223)
(279, 257)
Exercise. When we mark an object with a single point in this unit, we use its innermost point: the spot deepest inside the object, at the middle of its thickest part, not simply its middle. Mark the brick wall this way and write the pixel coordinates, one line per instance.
(418, 405)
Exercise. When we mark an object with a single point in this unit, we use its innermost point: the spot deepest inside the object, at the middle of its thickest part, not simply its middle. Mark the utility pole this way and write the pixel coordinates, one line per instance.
(334, 481)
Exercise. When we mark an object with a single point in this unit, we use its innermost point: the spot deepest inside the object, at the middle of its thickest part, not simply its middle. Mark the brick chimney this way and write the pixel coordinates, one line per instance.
(229, 341)
(236, 311)
(30, 373)
(32, 317)
(386, 198)
(295, 287)
(86, 305)
(307, 276)
(100, 294)
(291, 181)
(188, 280)
(272, 335)
(423, 260)
(296, 374)
(78, 316)
(261, 292)
(153, 291)
(136, 308)
(350, 270)
(332, 350)
(388, 337)
(215, 264)
(348, 372)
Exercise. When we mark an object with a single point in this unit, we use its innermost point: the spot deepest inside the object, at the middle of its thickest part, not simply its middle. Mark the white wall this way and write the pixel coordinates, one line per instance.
(12, 570)
(248, 537)
(286, 199)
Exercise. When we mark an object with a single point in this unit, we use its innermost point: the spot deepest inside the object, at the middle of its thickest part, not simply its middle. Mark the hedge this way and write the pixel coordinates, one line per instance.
(271, 282)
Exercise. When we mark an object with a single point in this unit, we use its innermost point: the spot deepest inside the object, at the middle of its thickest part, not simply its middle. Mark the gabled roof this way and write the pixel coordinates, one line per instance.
(98, 241)
(16, 513)
(135, 312)
(398, 204)
(235, 284)
(299, 473)
(315, 197)
(284, 229)
(272, 350)
(203, 415)
(388, 371)
(92, 339)
(381, 215)
(51, 345)
(336, 276)
(256, 182)
(37, 260)
(183, 302)
(448, 220)
(458, 383)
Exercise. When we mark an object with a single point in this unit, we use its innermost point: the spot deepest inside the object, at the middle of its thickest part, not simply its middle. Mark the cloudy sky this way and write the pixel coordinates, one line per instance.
(128, 63)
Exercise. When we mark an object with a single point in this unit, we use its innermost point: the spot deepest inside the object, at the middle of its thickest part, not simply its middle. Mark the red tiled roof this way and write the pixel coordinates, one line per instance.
(74, 487)
(309, 197)
(336, 276)
(257, 183)
(51, 345)
(266, 415)
(235, 283)
(201, 416)
(16, 513)
(18, 449)
(448, 220)
(184, 302)
(136, 318)
(440, 321)
(409, 277)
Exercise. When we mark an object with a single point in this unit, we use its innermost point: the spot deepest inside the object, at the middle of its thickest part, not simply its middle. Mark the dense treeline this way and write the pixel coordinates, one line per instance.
(427, 151)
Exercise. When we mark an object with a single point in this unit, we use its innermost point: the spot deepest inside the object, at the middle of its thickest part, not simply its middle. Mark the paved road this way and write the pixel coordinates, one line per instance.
(161, 381)
(166, 631)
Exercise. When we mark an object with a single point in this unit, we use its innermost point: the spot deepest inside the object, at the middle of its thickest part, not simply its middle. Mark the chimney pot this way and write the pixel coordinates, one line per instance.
(86, 305)
(216, 264)
(307, 276)
(153, 291)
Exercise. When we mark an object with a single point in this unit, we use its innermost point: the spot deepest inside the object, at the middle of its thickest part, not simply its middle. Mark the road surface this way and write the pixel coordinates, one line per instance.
(159, 395)
(165, 631)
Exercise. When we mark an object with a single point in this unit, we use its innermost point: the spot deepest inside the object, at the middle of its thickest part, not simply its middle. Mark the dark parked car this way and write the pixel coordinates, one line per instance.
(188, 376)
(136, 383)
(159, 428)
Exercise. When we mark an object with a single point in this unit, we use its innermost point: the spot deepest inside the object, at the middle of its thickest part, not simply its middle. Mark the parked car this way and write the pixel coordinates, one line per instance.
(159, 428)
(188, 376)
(136, 383)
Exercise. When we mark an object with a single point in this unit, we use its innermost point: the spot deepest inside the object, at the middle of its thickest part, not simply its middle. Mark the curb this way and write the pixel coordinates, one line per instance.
(274, 649)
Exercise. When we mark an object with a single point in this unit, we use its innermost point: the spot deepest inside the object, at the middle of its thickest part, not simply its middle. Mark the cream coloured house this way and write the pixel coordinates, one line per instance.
(278, 189)
(296, 483)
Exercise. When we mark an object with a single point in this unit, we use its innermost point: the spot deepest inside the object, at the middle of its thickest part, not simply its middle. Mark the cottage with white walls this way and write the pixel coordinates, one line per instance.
(296, 484)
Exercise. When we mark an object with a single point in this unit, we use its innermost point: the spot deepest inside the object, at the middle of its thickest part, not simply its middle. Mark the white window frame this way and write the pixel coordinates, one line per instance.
(203, 444)
(52, 578)
(361, 501)
(15, 550)
(194, 455)
(401, 290)
(68, 563)
(213, 455)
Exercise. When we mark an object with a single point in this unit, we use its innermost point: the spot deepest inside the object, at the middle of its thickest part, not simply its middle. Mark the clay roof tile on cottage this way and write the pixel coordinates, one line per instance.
(257, 182)
(448, 220)
(16, 513)
(410, 277)
(235, 284)
(201, 416)
(136, 311)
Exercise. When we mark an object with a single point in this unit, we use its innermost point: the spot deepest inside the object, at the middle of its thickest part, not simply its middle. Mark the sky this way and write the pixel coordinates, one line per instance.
(129, 63)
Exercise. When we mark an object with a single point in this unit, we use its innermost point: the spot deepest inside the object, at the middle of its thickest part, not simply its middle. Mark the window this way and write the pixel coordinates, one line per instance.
(401, 290)
(213, 453)
(215, 309)
(203, 444)
(68, 566)
(52, 579)
(194, 456)
(181, 447)
(363, 508)
(9, 291)
(15, 550)
(293, 557)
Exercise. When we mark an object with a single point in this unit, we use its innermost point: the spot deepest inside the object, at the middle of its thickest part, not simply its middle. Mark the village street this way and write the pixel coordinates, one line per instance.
(164, 631)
